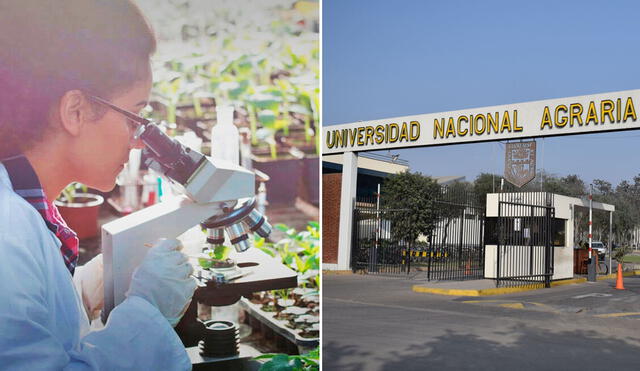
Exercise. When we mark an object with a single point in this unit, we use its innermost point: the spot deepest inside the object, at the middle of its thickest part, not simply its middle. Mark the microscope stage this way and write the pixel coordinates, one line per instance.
(260, 272)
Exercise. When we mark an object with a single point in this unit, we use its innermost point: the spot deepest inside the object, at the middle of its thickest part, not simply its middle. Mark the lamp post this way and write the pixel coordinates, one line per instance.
(591, 270)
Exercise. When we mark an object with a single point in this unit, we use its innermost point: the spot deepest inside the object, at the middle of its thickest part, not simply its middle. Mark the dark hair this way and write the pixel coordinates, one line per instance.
(48, 47)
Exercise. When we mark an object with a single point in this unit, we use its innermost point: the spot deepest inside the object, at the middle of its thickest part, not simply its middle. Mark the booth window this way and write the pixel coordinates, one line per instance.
(525, 231)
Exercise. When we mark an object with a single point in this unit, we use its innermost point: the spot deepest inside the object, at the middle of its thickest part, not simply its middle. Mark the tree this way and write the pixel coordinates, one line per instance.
(490, 183)
(412, 195)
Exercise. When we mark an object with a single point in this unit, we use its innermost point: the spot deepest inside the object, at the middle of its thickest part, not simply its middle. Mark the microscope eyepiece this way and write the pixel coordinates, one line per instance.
(169, 156)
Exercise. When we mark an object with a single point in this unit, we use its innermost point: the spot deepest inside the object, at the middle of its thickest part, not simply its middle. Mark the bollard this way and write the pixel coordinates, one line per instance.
(591, 270)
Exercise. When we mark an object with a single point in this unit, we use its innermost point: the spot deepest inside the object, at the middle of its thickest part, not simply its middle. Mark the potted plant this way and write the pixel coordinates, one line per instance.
(79, 209)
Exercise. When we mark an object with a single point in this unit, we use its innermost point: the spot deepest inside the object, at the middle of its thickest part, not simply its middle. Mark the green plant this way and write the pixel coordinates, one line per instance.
(217, 254)
(300, 252)
(69, 192)
(620, 253)
(285, 362)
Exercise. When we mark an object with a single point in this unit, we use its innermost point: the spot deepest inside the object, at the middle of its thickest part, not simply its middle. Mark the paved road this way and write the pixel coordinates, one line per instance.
(378, 323)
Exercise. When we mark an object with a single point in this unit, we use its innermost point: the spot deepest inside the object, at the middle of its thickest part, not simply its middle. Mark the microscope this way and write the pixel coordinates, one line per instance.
(218, 196)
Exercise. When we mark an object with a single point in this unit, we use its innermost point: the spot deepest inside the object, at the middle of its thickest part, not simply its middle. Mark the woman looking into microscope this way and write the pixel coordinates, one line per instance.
(54, 56)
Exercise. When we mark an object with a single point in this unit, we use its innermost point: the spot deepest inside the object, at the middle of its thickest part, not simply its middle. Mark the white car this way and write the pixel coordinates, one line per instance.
(599, 247)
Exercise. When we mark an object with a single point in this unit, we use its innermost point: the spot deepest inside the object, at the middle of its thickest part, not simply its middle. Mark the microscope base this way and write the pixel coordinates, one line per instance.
(241, 361)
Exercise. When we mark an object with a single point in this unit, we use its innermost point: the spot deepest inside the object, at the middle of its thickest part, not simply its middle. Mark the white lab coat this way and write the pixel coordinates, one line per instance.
(43, 325)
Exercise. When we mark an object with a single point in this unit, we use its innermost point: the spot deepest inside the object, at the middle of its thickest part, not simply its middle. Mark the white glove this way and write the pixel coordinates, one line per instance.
(89, 283)
(163, 279)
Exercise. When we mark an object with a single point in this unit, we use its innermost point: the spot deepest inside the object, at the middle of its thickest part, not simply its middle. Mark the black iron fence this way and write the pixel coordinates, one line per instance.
(521, 239)
(450, 249)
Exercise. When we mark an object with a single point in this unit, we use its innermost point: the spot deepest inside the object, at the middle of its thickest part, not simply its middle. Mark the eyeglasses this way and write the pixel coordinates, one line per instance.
(136, 120)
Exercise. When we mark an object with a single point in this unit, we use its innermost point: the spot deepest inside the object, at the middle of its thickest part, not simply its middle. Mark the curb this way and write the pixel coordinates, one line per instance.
(511, 290)
(614, 275)
(332, 272)
(494, 291)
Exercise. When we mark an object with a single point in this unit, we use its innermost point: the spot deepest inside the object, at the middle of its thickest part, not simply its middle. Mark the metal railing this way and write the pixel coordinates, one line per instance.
(452, 249)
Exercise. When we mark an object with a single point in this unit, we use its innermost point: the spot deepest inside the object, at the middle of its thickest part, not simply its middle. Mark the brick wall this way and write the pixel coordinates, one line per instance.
(331, 186)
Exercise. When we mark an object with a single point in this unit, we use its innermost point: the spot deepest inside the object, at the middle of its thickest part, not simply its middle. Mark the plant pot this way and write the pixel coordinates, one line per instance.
(82, 214)
(309, 187)
(285, 174)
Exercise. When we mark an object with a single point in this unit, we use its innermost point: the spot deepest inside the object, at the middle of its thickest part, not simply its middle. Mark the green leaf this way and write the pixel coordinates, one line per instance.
(240, 89)
(265, 101)
(267, 118)
(312, 263)
(221, 252)
(298, 108)
(281, 362)
(205, 263)
(268, 251)
(301, 265)
(288, 257)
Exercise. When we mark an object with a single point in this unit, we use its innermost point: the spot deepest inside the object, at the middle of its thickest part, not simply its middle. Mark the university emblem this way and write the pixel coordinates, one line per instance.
(520, 163)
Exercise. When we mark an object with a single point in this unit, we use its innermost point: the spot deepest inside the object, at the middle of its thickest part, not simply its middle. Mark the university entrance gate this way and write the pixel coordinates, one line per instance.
(452, 249)
(589, 114)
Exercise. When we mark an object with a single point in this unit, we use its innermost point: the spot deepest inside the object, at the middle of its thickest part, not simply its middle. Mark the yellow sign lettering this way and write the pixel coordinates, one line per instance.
(575, 111)
(476, 121)
(606, 109)
(460, 120)
(563, 121)
(629, 110)
(415, 134)
(451, 128)
(546, 118)
(506, 122)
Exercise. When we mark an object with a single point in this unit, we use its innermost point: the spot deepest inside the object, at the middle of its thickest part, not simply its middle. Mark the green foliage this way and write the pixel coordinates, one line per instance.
(220, 252)
(625, 197)
(285, 362)
(570, 185)
(414, 194)
(298, 250)
(69, 192)
(259, 61)
(620, 253)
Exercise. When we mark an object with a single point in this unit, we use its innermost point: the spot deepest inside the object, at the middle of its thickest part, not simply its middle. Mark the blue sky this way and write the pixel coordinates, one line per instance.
(393, 58)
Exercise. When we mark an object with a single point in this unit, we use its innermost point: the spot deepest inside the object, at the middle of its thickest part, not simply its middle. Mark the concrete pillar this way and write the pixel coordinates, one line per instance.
(347, 197)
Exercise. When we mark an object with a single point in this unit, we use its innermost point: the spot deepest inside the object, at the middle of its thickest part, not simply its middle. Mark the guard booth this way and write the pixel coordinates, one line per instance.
(529, 237)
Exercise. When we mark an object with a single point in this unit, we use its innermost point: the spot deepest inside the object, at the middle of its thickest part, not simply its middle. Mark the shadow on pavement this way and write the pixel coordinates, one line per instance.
(531, 349)
(335, 355)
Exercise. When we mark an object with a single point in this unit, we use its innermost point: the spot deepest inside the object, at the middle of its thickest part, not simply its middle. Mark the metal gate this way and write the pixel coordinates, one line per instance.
(451, 250)
(525, 226)
(375, 248)
(456, 247)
